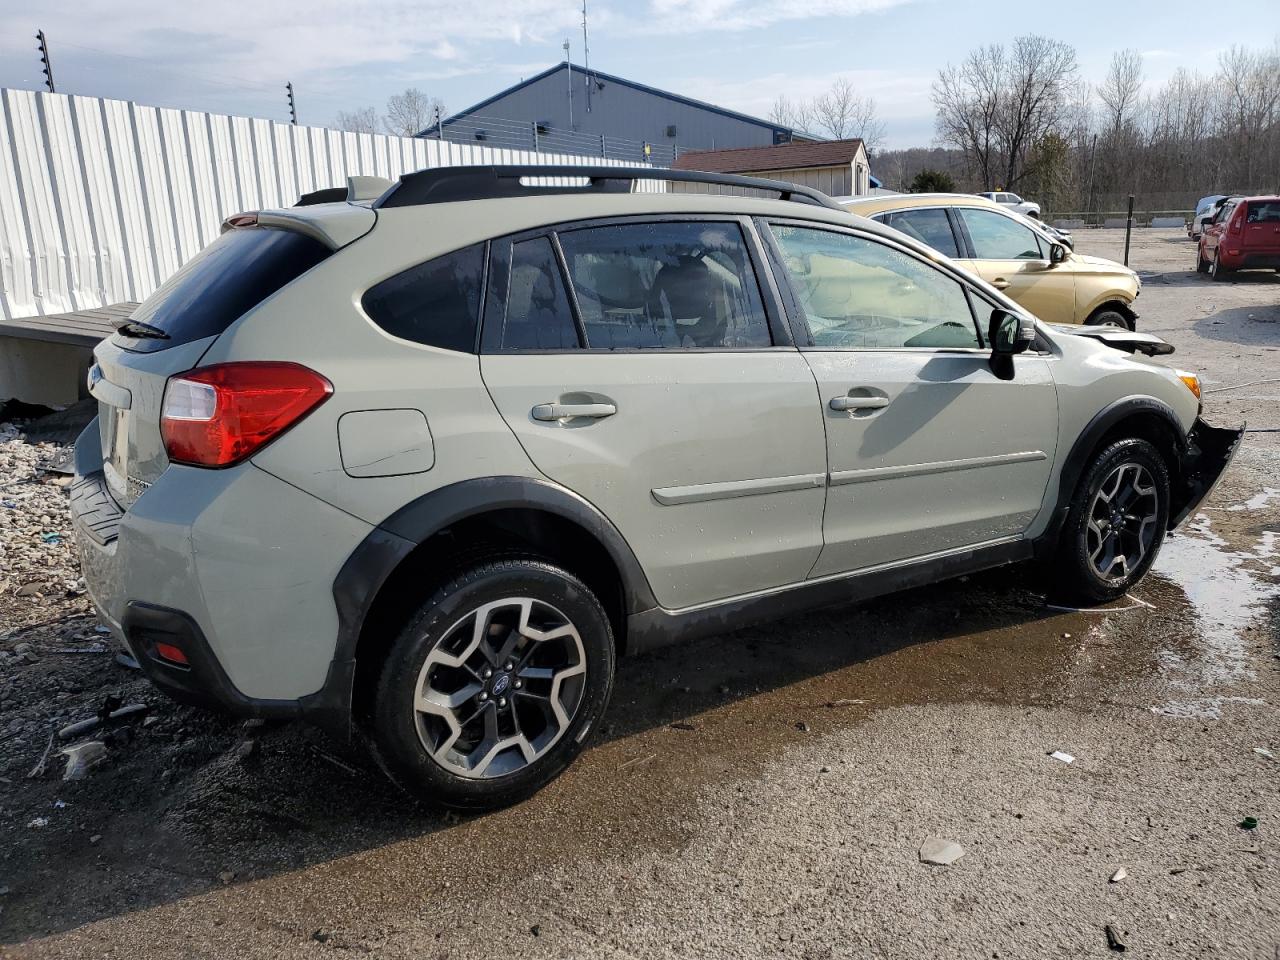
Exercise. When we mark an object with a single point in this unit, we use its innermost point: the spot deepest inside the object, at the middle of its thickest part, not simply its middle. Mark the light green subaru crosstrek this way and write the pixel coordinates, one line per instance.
(421, 460)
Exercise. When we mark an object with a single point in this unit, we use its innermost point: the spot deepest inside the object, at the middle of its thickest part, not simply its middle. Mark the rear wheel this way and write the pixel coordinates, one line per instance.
(1202, 265)
(1115, 525)
(490, 690)
(1216, 269)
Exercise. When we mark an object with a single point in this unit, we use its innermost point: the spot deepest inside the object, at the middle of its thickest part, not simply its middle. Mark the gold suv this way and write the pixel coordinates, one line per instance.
(1014, 254)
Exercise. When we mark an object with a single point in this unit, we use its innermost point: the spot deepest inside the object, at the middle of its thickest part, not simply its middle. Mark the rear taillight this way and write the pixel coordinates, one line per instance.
(217, 416)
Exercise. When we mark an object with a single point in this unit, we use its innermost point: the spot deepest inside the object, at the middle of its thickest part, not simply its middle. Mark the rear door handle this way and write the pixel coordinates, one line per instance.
(566, 411)
(859, 403)
(1000, 283)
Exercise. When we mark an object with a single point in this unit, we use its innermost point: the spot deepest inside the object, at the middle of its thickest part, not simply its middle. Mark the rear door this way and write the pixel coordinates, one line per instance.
(644, 365)
(1013, 258)
(928, 450)
(1261, 229)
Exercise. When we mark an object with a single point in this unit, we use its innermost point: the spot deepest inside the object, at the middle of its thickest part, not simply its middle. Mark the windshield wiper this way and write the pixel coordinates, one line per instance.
(141, 331)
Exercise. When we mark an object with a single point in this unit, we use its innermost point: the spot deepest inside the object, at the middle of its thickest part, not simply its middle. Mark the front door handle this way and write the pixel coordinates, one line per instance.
(1000, 283)
(566, 411)
(859, 403)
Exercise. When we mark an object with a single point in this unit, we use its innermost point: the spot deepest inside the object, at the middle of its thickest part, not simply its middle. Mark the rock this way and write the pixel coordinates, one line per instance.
(245, 749)
(30, 590)
(95, 838)
(22, 649)
(940, 852)
(802, 726)
(683, 725)
(37, 823)
(536, 930)
(226, 876)
(83, 757)
(1264, 752)
(1119, 875)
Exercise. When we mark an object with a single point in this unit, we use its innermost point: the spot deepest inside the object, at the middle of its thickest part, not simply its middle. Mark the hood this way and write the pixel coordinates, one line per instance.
(1099, 265)
(1128, 341)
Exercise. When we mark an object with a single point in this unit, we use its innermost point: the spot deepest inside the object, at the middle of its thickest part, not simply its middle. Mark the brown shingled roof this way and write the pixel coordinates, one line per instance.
(786, 156)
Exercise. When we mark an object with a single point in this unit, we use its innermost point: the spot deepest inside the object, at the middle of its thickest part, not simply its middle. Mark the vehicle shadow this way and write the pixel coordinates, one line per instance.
(195, 802)
(1252, 325)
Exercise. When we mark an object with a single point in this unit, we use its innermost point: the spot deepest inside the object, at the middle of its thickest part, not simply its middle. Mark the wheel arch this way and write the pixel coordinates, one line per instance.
(427, 539)
(1143, 417)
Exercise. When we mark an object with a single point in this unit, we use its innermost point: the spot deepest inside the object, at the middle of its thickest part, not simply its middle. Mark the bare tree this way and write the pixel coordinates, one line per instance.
(997, 104)
(361, 120)
(844, 114)
(1120, 90)
(411, 112)
(796, 114)
(1251, 86)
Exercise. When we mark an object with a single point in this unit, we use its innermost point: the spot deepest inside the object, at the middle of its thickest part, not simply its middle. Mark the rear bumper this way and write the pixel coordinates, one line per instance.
(1209, 452)
(236, 568)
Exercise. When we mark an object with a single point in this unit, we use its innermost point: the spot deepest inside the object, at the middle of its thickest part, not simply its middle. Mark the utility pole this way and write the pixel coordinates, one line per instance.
(293, 109)
(586, 56)
(569, 65)
(47, 67)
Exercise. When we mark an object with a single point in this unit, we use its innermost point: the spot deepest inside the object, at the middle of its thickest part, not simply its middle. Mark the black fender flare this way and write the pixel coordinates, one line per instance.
(1077, 459)
(374, 560)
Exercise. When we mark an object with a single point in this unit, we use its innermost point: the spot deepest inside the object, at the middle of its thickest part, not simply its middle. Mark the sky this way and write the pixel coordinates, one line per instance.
(234, 56)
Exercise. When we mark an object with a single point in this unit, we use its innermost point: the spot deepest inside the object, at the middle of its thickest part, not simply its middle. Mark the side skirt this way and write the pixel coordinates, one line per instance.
(650, 629)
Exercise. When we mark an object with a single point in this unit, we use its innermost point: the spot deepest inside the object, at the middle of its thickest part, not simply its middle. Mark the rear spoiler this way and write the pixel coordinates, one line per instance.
(1128, 341)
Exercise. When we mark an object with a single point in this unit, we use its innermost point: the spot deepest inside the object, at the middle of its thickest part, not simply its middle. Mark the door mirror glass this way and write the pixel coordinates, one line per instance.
(1057, 253)
(1009, 333)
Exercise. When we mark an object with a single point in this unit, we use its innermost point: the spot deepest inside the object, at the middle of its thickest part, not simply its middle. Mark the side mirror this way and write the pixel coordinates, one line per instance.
(1057, 253)
(1008, 333)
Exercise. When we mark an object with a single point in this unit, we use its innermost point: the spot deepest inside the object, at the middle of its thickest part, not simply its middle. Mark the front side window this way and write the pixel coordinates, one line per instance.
(857, 293)
(679, 285)
(929, 226)
(997, 237)
(538, 315)
(436, 303)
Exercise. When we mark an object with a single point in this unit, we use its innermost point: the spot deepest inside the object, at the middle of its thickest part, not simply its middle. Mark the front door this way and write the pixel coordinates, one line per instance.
(928, 450)
(1013, 258)
(659, 384)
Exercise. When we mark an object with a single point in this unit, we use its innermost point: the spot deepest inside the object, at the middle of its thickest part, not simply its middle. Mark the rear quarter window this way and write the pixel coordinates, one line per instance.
(220, 284)
(436, 303)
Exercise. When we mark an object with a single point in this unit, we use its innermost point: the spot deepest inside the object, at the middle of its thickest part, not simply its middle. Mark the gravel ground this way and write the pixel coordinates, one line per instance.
(762, 794)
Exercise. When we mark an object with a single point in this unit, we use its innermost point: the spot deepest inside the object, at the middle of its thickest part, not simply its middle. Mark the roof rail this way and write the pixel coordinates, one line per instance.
(447, 184)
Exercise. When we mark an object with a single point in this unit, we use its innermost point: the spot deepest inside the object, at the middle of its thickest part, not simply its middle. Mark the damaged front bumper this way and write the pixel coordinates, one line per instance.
(1208, 453)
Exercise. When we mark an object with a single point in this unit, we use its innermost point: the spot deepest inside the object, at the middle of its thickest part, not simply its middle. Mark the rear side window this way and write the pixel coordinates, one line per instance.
(436, 303)
(220, 284)
(679, 285)
(929, 226)
(538, 313)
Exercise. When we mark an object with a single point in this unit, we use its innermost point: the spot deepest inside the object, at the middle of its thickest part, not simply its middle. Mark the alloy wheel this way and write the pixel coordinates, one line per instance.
(1122, 521)
(500, 688)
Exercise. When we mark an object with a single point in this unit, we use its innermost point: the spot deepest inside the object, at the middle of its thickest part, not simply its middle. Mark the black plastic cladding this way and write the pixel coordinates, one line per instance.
(451, 184)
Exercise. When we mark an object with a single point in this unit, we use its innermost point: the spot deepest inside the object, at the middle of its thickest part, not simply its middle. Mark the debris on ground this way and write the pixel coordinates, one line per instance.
(1113, 939)
(1264, 752)
(42, 764)
(109, 712)
(683, 725)
(636, 761)
(1119, 875)
(38, 822)
(940, 852)
(843, 702)
(82, 758)
(802, 726)
(1249, 823)
(1063, 756)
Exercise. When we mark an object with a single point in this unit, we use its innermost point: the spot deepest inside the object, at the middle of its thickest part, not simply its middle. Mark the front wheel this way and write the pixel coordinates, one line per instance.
(1115, 525)
(1202, 265)
(1109, 318)
(489, 692)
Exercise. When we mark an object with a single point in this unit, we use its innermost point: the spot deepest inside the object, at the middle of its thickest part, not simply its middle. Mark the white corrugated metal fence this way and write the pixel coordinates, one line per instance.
(101, 200)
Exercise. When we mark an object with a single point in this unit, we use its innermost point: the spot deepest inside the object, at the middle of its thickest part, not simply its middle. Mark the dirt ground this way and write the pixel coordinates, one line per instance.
(764, 794)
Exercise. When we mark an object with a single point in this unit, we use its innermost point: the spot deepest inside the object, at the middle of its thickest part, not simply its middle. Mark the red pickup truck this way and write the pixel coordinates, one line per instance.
(1245, 235)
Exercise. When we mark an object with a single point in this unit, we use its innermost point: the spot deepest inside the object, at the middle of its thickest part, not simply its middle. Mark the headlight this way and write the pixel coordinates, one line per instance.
(1190, 381)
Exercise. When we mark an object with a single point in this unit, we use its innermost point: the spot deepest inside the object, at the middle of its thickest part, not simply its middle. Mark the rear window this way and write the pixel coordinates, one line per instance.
(1263, 211)
(436, 303)
(220, 284)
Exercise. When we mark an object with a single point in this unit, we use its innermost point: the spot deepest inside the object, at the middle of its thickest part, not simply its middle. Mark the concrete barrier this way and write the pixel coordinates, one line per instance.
(1169, 222)
(1116, 222)
(1069, 224)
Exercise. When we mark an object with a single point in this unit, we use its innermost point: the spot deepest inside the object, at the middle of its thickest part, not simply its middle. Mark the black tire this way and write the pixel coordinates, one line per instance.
(1110, 318)
(1074, 575)
(441, 628)
(1202, 265)
(1216, 270)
